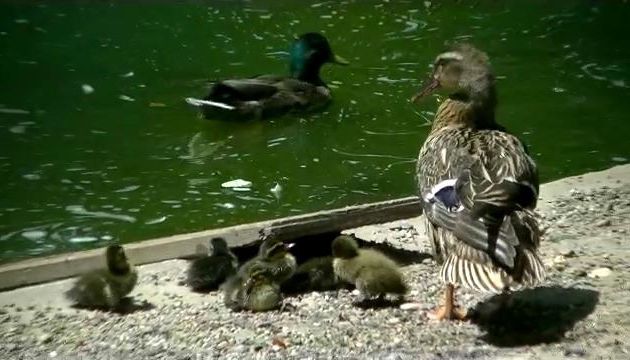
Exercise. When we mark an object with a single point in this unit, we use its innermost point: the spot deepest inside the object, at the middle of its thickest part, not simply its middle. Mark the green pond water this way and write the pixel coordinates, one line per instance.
(98, 145)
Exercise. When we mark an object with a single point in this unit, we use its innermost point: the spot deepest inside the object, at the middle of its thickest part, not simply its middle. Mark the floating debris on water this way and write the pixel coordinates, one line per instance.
(128, 189)
(276, 191)
(129, 74)
(31, 176)
(34, 234)
(559, 90)
(87, 89)
(83, 239)
(161, 219)
(227, 205)
(126, 98)
(619, 159)
(238, 183)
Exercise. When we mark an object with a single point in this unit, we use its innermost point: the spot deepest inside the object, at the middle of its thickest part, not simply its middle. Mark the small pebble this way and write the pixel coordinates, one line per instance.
(600, 272)
(603, 223)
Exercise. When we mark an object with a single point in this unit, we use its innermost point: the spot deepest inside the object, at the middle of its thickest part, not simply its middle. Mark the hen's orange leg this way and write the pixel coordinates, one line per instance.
(449, 311)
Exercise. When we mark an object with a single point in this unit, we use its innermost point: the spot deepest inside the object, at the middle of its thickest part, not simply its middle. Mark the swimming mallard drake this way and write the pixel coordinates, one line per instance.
(478, 185)
(272, 95)
(104, 288)
(372, 272)
(208, 272)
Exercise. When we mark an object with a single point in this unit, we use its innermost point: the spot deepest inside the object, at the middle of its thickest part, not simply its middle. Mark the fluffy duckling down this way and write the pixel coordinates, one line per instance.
(104, 288)
(374, 274)
(208, 272)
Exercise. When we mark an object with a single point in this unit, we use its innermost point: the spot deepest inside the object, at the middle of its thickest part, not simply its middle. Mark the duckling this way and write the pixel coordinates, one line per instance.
(273, 95)
(478, 185)
(316, 274)
(253, 289)
(104, 288)
(208, 272)
(373, 273)
(274, 255)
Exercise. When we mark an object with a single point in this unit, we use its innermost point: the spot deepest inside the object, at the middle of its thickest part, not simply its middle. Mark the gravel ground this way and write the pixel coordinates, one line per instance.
(582, 310)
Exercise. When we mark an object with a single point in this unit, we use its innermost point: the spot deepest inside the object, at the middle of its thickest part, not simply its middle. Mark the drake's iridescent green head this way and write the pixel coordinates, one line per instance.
(345, 247)
(308, 53)
(219, 246)
(117, 260)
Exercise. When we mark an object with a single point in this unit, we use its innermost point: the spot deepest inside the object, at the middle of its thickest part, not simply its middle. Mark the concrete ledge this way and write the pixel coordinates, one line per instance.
(55, 267)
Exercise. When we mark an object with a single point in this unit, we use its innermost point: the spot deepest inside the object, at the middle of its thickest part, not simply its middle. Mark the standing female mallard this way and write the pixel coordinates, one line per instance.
(273, 95)
(478, 185)
(104, 288)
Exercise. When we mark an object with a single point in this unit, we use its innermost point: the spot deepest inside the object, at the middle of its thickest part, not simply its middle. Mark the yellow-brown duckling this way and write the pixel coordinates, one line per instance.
(104, 288)
(274, 255)
(253, 290)
(374, 274)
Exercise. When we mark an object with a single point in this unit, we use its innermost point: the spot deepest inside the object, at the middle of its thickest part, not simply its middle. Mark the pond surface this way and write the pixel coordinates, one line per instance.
(97, 144)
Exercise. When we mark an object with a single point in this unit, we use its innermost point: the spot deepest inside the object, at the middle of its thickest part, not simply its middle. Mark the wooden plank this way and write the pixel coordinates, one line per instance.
(55, 267)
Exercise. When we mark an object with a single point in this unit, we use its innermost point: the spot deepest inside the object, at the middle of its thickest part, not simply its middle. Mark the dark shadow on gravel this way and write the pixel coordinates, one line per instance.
(401, 256)
(533, 316)
(127, 305)
(378, 303)
(308, 247)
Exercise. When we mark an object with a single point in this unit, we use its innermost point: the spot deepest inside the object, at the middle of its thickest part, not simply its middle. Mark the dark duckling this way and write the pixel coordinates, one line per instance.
(104, 288)
(273, 95)
(374, 274)
(253, 290)
(316, 274)
(208, 272)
